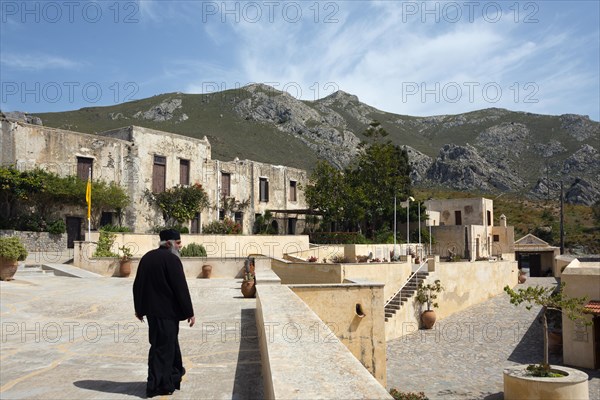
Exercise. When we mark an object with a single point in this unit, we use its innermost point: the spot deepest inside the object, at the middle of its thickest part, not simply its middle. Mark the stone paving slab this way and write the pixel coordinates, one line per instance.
(464, 355)
(69, 270)
(65, 338)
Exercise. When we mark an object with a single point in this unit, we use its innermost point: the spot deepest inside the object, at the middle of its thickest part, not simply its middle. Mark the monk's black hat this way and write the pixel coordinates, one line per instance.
(169, 234)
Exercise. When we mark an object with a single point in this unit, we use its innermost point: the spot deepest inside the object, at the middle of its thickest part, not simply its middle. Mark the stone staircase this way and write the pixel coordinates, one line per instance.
(406, 293)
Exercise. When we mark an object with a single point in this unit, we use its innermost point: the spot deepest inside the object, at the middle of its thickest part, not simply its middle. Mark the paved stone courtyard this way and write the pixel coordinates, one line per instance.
(70, 338)
(464, 355)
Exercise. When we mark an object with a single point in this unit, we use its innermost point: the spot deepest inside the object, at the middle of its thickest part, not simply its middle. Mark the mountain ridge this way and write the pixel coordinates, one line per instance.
(491, 150)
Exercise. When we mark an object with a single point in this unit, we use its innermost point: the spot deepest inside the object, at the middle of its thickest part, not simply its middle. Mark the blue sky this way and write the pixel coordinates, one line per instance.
(414, 58)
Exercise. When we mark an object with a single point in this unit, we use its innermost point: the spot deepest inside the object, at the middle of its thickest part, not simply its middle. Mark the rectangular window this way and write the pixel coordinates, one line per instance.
(107, 218)
(221, 215)
(239, 219)
(292, 196)
(291, 230)
(184, 172)
(489, 217)
(159, 174)
(457, 218)
(496, 238)
(225, 184)
(84, 165)
(264, 189)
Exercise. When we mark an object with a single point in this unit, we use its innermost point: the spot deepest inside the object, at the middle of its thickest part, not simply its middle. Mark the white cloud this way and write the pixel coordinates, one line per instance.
(38, 62)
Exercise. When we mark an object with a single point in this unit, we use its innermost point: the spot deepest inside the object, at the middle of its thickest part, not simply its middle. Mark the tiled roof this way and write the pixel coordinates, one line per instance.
(593, 307)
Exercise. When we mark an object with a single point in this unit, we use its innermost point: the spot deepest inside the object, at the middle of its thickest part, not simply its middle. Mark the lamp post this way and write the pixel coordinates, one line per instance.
(394, 249)
(410, 198)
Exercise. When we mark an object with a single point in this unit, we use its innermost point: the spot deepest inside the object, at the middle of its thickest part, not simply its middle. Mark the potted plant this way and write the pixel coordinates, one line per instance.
(125, 261)
(249, 282)
(542, 378)
(427, 294)
(522, 276)
(12, 251)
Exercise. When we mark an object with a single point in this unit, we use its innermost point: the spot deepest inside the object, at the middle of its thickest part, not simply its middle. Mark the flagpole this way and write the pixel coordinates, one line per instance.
(394, 250)
(89, 199)
(420, 252)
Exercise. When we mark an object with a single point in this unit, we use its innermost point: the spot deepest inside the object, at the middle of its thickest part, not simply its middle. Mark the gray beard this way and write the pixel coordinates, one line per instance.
(173, 248)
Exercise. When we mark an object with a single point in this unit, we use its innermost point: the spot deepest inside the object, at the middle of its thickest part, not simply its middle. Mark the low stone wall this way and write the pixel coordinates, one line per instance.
(192, 266)
(215, 245)
(291, 337)
(354, 313)
(465, 284)
(392, 275)
(39, 242)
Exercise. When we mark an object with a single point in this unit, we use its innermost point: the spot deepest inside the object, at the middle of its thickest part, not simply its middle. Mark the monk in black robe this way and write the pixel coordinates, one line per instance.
(160, 292)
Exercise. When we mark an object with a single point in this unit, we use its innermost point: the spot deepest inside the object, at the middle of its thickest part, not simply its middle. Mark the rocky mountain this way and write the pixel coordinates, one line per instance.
(491, 150)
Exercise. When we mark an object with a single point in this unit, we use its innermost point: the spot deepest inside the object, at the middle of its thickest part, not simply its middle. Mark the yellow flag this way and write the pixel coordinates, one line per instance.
(88, 197)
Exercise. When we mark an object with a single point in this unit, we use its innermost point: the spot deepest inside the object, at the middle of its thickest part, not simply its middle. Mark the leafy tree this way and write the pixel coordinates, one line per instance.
(30, 199)
(329, 192)
(105, 197)
(231, 205)
(263, 224)
(548, 299)
(382, 173)
(180, 203)
(362, 195)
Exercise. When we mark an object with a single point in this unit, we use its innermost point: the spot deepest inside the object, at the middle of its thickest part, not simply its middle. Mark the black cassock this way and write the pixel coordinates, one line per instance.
(160, 292)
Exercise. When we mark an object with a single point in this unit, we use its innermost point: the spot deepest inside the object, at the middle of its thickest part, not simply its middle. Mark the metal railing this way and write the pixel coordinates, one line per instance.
(405, 283)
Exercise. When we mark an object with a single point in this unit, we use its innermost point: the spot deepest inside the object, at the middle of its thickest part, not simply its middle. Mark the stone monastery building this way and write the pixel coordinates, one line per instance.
(141, 159)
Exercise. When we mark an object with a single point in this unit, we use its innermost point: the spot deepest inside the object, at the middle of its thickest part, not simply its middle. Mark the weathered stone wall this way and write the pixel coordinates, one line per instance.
(465, 284)
(126, 156)
(473, 211)
(355, 315)
(245, 178)
(581, 279)
(39, 241)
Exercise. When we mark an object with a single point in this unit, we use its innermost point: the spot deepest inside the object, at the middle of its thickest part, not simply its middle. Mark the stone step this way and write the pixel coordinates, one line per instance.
(32, 270)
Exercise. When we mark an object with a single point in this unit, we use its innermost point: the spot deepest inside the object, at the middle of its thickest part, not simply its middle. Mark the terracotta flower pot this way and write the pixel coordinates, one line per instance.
(522, 277)
(248, 288)
(206, 271)
(428, 319)
(8, 268)
(124, 268)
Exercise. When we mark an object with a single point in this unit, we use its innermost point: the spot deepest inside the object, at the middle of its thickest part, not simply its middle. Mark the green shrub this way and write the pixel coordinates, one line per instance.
(57, 227)
(225, 227)
(178, 228)
(193, 250)
(105, 243)
(12, 248)
(115, 228)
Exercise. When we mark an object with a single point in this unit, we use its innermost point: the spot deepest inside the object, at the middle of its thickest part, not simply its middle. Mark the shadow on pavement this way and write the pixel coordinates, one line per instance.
(530, 349)
(248, 382)
(129, 388)
(495, 396)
